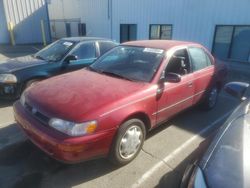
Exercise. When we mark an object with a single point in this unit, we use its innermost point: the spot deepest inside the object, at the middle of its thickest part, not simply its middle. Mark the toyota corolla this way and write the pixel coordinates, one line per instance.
(108, 108)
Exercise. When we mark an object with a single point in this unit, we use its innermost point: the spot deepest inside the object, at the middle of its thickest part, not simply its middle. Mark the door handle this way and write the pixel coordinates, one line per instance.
(190, 84)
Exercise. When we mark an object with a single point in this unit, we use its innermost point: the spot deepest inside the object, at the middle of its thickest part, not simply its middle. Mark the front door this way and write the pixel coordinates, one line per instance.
(86, 55)
(175, 97)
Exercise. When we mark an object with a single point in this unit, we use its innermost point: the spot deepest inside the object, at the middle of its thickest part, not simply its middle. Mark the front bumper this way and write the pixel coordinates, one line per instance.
(10, 91)
(59, 146)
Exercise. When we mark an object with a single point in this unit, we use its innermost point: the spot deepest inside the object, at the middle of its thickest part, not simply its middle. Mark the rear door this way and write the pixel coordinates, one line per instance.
(203, 71)
(175, 97)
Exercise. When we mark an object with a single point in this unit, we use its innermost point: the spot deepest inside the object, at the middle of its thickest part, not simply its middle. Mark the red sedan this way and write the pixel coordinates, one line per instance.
(107, 108)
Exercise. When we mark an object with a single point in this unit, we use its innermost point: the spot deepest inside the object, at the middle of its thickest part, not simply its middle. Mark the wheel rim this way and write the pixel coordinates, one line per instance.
(213, 97)
(130, 142)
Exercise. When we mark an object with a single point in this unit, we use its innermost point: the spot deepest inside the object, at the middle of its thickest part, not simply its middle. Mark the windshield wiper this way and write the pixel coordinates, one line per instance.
(115, 75)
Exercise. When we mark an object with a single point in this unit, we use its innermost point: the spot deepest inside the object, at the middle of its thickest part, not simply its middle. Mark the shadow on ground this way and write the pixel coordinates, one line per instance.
(173, 179)
(25, 166)
(6, 103)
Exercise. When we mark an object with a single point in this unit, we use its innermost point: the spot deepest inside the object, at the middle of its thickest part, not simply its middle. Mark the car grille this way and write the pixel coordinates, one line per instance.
(39, 116)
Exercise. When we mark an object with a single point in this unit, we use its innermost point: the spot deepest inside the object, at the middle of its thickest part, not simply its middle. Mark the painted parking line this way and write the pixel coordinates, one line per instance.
(176, 152)
(6, 124)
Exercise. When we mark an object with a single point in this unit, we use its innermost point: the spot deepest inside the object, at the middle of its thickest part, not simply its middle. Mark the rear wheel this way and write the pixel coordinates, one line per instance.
(128, 142)
(211, 98)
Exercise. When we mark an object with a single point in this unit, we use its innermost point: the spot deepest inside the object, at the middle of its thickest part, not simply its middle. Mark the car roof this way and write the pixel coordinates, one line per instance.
(81, 39)
(160, 44)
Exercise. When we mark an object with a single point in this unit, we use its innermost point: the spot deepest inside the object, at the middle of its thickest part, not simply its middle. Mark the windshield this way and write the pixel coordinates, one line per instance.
(132, 63)
(55, 51)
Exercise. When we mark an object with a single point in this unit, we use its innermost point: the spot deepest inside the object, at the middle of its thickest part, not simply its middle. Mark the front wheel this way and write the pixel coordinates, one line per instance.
(211, 98)
(128, 142)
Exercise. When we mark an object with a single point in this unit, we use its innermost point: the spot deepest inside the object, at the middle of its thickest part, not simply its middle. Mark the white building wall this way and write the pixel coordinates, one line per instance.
(25, 17)
(192, 20)
(92, 12)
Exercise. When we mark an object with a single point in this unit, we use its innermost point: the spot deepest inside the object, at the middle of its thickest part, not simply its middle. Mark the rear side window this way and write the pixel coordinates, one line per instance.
(198, 58)
(105, 46)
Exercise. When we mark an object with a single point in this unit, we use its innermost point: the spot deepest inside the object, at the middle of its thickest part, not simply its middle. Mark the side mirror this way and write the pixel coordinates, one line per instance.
(172, 77)
(237, 89)
(70, 58)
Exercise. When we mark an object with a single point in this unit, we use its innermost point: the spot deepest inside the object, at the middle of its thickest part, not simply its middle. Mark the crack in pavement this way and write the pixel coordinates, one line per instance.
(153, 156)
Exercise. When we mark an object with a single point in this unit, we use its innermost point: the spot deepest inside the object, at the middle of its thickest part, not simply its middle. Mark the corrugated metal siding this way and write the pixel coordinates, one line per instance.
(4, 35)
(192, 20)
(25, 15)
(92, 12)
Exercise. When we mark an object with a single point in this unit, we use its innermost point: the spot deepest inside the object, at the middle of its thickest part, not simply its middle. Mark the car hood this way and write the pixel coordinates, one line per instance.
(74, 95)
(226, 163)
(12, 65)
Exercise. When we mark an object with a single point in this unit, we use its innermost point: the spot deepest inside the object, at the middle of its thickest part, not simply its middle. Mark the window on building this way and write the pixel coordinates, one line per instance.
(232, 42)
(128, 32)
(160, 31)
(68, 29)
(82, 29)
(199, 59)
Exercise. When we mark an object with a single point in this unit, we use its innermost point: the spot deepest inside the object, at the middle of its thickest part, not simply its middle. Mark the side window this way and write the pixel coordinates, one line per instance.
(85, 51)
(105, 46)
(179, 63)
(198, 58)
(208, 60)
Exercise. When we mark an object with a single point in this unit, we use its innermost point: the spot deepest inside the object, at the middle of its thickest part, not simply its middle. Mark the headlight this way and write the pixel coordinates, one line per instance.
(8, 78)
(73, 129)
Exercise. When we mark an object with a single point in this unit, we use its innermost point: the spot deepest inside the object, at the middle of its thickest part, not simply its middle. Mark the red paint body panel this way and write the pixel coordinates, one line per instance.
(175, 98)
(84, 95)
(52, 143)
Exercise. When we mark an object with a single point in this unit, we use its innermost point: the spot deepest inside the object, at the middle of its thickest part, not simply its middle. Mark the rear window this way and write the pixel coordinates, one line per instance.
(199, 59)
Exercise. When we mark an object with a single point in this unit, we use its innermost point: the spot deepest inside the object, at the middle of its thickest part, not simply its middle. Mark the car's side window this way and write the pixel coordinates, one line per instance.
(208, 60)
(179, 63)
(105, 46)
(85, 51)
(199, 59)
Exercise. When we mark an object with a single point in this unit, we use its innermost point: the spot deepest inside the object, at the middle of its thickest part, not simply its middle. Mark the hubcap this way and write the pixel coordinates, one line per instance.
(213, 97)
(130, 142)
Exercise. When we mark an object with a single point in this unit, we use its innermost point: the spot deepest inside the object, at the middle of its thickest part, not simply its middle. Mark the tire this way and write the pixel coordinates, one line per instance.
(187, 175)
(210, 98)
(128, 142)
